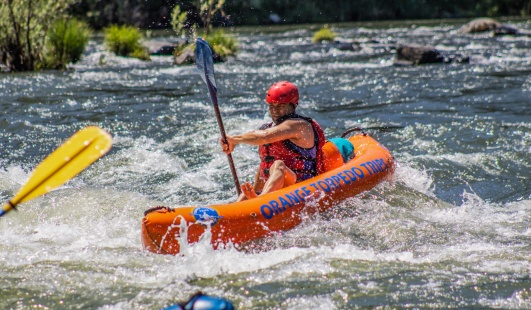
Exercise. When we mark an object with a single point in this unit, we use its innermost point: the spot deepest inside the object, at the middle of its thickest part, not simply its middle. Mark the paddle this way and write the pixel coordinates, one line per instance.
(69, 159)
(205, 65)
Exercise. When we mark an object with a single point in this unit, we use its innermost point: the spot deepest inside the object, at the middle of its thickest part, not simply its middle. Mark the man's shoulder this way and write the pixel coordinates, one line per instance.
(297, 122)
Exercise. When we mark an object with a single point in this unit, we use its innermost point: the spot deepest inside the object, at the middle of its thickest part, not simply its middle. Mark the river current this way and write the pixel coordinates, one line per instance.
(452, 230)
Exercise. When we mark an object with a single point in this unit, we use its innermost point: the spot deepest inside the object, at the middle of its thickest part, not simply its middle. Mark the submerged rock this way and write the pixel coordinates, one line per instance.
(506, 30)
(416, 55)
(187, 56)
(161, 47)
(488, 24)
(457, 58)
(346, 46)
(407, 55)
(480, 25)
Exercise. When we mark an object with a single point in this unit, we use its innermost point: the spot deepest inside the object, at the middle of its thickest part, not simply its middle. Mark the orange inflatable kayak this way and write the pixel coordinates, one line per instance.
(164, 229)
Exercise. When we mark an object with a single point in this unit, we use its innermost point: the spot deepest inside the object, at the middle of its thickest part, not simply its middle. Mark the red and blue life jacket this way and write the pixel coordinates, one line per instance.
(306, 163)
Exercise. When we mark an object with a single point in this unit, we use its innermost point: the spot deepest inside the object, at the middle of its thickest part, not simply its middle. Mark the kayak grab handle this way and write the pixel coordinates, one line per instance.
(157, 208)
(346, 133)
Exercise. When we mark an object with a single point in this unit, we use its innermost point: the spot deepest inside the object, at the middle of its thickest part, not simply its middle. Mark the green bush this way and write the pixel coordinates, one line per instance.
(222, 44)
(66, 42)
(23, 29)
(324, 34)
(125, 41)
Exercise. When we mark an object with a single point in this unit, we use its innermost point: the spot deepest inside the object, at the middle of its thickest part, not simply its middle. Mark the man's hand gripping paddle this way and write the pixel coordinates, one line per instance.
(72, 157)
(205, 65)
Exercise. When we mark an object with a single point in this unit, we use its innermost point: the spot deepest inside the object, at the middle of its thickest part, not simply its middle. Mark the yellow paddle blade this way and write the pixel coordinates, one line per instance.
(72, 157)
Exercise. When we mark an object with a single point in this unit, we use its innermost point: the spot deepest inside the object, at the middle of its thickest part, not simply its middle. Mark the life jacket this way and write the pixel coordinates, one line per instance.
(306, 163)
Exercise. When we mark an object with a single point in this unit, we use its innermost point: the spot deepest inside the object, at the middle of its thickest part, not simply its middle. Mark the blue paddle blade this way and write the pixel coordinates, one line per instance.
(205, 62)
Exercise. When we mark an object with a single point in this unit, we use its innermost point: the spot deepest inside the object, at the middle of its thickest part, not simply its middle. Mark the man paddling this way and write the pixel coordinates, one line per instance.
(290, 147)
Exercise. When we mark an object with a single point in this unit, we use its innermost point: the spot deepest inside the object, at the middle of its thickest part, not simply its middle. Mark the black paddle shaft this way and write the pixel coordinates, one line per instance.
(214, 99)
(205, 65)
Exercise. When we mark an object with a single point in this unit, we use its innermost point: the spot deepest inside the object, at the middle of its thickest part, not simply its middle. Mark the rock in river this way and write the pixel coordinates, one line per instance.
(407, 55)
(487, 24)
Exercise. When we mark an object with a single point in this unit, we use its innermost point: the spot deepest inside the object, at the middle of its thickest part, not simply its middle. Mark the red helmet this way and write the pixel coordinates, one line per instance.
(283, 92)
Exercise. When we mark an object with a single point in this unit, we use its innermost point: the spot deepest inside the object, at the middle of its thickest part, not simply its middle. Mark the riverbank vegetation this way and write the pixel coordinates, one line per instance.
(65, 42)
(24, 26)
(222, 44)
(156, 14)
(28, 42)
(125, 41)
(184, 24)
(324, 34)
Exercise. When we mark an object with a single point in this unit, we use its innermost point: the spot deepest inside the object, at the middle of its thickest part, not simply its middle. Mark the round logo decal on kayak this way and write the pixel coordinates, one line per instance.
(207, 215)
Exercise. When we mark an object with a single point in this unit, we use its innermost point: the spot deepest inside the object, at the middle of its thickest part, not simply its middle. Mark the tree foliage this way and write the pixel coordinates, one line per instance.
(65, 43)
(178, 20)
(23, 28)
(157, 13)
(204, 9)
(222, 44)
(293, 11)
(208, 8)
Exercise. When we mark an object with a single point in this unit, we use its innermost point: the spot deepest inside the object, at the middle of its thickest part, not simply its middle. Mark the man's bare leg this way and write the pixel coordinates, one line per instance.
(280, 176)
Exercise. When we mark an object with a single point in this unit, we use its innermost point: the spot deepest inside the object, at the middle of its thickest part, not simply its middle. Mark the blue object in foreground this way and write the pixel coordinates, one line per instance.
(203, 302)
(205, 214)
(345, 148)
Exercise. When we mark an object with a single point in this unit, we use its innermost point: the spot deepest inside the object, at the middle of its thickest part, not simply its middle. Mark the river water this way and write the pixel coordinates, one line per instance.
(451, 231)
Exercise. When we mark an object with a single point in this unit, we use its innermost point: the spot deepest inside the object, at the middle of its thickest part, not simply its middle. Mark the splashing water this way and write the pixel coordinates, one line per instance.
(451, 231)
